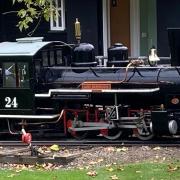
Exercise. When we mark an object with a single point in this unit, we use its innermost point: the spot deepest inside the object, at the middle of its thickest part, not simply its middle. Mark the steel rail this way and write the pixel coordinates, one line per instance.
(163, 143)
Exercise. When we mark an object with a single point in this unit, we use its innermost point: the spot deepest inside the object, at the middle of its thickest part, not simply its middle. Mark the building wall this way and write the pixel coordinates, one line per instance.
(168, 16)
(156, 16)
(88, 12)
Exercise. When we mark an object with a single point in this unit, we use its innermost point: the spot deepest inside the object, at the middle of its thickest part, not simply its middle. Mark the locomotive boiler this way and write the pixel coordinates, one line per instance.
(53, 87)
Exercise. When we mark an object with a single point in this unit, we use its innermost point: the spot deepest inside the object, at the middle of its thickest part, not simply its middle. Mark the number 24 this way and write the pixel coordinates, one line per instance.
(11, 103)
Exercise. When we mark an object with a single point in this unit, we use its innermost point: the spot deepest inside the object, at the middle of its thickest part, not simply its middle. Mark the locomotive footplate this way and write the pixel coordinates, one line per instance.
(86, 92)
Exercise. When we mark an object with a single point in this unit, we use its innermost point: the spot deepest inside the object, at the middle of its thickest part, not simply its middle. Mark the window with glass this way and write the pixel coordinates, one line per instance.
(15, 75)
(1, 76)
(23, 75)
(45, 58)
(59, 57)
(52, 58)
(57, 21)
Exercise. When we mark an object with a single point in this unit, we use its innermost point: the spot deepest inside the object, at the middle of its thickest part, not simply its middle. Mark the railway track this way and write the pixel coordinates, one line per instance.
(164, 143)
(10, 154)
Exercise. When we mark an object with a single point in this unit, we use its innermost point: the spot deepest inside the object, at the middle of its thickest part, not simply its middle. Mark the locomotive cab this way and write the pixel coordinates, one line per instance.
(21, 63)
(16, 84)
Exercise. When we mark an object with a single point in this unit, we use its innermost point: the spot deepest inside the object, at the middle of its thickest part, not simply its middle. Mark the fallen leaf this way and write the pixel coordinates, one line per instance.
(92, 173)
(123, 149)
(145, 148)
(55, 147)
(110, 149)
(172, 168)
(30, 166)
(19, 170)
(55, 177)
(156, 148)
(110, 169)
(92, 162)
(11, 175)
(49, 166)
(39, 166)
(100, 160)
(114, 177)
(138, 171)
(43, 165)
(66, 151)
(24, 167)
(120, 168)
(43, 150)
(87, 167)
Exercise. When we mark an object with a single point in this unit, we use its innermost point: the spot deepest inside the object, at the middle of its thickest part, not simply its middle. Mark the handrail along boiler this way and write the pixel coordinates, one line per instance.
(54, 87)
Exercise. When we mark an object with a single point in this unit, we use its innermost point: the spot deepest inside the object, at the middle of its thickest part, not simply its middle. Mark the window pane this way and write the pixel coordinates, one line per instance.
(54, 22)
(1, 76)
(59, 3)
(59, 19)
(9, 75)
(59, 57)
(23, 75)
(45, 58)
(37, 67)
(52, 60)
(15, 75)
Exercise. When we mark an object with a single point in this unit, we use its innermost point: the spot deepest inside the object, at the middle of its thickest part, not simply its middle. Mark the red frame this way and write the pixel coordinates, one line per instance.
(76, 112)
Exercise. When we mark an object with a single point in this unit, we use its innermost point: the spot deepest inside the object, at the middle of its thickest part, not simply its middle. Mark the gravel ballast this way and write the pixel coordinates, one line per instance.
(103, 156)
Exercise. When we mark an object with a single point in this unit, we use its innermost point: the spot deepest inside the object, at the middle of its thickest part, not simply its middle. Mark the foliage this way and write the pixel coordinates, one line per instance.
(34, 10)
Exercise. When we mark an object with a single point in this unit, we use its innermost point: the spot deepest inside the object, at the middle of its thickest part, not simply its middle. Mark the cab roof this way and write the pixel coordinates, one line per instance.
(22, 47)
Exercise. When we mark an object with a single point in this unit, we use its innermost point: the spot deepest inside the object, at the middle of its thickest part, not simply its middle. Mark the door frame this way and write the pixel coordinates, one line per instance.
(134, 27)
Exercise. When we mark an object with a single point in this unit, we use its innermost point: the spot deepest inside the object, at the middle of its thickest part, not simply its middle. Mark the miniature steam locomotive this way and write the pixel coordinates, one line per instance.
(53, 87)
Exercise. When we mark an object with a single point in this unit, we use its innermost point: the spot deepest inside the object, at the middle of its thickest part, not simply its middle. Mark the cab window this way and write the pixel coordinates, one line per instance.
(15, 75)
(1, 76)
(45, 58)
(9, 75)
(52, 58)
(59, 57)
(23, 75)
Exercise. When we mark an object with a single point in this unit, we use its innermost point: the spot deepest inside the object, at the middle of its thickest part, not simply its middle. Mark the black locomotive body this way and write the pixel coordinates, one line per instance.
(55, 87)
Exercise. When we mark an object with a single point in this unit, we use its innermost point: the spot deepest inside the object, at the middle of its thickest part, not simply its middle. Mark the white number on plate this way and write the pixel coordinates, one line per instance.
(11, 103)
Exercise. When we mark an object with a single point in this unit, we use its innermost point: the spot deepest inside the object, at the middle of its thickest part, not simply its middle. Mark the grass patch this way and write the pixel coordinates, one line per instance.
(145, 171)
